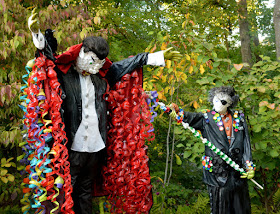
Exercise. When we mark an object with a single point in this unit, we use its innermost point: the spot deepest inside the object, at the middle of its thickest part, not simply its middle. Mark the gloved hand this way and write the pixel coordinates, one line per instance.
(175, 109)
(249, 174)
(171, 55)
(33, 23)
(37, 36)
(173, 115)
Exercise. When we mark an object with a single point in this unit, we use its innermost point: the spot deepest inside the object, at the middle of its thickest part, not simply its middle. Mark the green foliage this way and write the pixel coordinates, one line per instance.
(257, 209)
(7, 180)
(199, 207)
(203, 31)
(177, 198)
(10, 210)
(4, 175)
(261, 90)
(10, 191)
(276, 198)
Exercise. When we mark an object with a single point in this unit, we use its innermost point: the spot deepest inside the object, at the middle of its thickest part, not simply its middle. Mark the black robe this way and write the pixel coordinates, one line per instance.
(228, 192)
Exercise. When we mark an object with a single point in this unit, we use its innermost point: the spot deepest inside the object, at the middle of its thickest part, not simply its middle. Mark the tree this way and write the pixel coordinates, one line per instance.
(244, 32)
(276, 21)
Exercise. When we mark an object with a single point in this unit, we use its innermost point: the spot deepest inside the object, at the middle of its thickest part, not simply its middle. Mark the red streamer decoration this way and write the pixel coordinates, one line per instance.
(126, 175)
(60, 160)
(46, 79)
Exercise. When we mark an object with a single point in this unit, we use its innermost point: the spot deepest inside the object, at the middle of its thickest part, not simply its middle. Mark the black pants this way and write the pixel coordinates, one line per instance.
(224, 200)
(84, 167)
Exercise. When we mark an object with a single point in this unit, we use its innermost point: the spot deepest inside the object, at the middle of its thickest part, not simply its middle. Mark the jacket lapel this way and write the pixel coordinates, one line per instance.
(233, 133)
(76, 86)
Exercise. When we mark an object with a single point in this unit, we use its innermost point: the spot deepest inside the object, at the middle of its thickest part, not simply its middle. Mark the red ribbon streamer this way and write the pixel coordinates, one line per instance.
(126, 175)
(45, 77)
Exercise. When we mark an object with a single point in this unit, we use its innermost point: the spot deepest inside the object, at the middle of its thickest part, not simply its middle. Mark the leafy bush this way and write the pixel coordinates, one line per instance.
(10, 210)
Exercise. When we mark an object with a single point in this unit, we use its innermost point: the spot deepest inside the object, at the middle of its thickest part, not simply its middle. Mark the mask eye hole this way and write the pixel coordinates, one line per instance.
(224, 102)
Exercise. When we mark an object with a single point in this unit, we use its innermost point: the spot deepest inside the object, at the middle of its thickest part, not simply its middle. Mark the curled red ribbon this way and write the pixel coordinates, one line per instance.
(127, 177)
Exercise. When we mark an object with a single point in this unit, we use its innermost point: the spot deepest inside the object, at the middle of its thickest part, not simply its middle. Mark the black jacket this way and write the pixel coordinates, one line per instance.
(72, 101)
(239, 149)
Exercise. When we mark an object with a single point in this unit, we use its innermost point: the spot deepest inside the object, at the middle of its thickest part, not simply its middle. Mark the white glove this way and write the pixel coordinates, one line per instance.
(33, 25)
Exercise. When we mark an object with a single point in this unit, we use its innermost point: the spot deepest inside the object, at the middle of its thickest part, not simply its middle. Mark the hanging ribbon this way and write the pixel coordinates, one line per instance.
(127, 178)
(48, 169)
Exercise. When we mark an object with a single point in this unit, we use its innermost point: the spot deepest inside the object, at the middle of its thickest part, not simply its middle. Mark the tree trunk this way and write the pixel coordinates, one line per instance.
(276, 20)
(246, 51)
(255, 34)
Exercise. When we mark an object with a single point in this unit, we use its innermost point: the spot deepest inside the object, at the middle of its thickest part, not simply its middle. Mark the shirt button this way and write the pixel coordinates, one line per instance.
(227, 128)
(86, 126)
(87, 116)
(87, 95)
(86, 105)
(85, 137)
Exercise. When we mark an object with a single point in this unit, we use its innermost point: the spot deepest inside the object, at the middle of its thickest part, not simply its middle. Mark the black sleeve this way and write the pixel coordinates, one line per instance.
(195, 120)
(247, 155)
(119, 69)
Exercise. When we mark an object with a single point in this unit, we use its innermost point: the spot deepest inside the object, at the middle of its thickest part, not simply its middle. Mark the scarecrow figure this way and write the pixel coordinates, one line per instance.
(86, 75)
(228, 131)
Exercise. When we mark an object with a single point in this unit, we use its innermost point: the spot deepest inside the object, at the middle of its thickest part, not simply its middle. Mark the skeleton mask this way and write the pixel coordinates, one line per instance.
(88, 63)
(221, 102)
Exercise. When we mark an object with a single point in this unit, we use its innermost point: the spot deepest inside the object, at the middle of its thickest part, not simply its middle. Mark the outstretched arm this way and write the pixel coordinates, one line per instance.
(158, 58)
(119, 69)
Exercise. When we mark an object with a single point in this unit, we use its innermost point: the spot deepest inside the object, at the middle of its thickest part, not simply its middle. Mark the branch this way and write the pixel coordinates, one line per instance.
(172, 155)
(173, 144)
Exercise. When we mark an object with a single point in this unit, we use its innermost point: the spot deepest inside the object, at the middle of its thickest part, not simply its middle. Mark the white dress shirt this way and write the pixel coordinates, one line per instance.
(88, 137)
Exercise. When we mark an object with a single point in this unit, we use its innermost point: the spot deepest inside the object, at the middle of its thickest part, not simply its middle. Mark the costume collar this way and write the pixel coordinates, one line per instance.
(66, 60)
